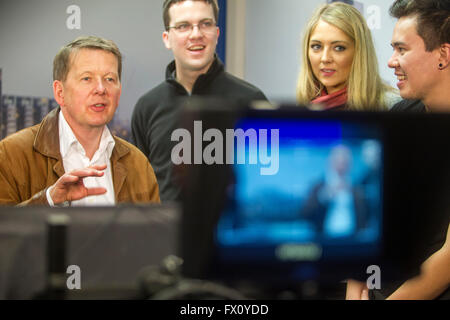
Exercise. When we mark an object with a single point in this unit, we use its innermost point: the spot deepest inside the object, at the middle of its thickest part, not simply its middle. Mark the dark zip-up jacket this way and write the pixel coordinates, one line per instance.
(155, 117)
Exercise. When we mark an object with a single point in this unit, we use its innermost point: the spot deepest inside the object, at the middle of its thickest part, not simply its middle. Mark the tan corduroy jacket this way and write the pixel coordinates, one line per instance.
(30, 162)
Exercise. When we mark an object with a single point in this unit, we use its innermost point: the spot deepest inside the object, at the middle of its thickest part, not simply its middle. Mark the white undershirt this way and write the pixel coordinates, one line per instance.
(74, 157)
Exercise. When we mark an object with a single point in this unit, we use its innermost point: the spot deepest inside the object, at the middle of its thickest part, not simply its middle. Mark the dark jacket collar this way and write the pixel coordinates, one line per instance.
(203, 80)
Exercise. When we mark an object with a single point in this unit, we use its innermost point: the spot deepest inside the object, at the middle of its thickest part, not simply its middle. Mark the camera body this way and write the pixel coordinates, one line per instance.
(300, 197)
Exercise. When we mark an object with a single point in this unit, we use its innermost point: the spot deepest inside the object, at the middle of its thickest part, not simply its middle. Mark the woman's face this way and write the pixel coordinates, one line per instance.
(331, 54)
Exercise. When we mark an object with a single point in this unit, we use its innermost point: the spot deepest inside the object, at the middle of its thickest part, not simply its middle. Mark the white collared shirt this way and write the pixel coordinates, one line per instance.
(74, 157)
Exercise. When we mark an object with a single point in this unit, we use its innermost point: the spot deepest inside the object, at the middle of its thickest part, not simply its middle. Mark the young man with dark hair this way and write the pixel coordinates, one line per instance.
(421, 43)
(421, 59)
(191, 33)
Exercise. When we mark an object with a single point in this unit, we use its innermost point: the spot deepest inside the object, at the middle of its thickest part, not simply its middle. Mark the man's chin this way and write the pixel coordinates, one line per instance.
(200, 65)
(99, 123)
(408, 95)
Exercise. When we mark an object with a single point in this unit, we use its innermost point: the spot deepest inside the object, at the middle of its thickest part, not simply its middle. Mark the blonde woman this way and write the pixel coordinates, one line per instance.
(339, 68)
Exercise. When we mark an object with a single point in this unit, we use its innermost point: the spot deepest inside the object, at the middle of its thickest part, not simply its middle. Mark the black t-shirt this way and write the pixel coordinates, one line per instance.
(409, 106)
(156, 116)
(433, 234)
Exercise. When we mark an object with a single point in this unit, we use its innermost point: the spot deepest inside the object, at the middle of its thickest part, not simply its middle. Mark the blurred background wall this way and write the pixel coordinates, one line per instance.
(260, 42)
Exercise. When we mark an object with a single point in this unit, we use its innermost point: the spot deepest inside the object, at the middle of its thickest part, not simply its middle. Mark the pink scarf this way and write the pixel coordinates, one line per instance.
(333, 100)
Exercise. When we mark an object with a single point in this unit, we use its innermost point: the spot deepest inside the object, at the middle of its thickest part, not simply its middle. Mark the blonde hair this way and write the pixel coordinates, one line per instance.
(365, 89)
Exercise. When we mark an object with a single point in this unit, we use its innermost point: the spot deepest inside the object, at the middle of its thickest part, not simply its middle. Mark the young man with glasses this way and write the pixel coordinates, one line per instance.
(191, 33)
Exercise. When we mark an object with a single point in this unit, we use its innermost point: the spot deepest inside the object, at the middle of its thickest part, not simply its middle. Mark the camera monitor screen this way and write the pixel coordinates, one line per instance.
(320, 196)
(306, 197)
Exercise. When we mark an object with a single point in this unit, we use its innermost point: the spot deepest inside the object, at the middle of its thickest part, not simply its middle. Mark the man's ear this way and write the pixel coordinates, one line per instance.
(218, 35)
(444, 55)
(58, 92)
(165, 38)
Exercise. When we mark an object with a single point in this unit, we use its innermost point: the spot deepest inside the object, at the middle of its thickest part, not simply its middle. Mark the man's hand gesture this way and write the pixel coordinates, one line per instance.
(70, 186)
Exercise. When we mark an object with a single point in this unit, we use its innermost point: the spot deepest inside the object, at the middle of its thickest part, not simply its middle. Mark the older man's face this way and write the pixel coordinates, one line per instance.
(90, 95)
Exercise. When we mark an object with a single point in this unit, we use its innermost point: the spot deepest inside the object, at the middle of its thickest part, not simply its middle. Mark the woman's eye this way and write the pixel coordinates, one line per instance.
(315, 46)
(340, 48)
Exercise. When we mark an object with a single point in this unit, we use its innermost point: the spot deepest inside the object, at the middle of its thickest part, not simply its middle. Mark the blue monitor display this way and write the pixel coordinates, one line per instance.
(303, 191)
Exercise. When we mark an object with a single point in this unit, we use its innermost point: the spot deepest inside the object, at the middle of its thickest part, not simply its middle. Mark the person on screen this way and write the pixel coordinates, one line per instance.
(371, 180)
(71, 158)
(421, 60)
(335, 206)
(339, 69)
(191, 33)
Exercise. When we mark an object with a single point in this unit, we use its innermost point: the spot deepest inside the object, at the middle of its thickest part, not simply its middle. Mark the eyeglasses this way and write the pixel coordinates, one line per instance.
(185, 28)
